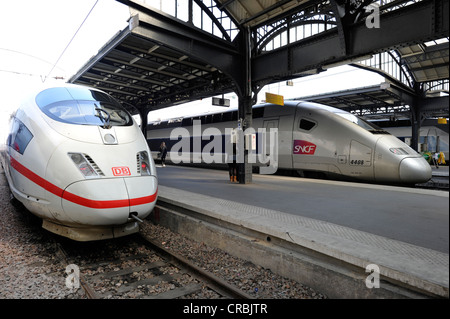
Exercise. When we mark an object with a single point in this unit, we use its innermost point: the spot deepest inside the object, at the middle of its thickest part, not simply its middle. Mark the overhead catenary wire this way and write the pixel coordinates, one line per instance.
(31, 74)
(73, 37)
(33, 57)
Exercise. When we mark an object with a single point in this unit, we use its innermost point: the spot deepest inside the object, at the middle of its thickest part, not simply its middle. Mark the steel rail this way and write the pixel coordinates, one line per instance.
(214, 282)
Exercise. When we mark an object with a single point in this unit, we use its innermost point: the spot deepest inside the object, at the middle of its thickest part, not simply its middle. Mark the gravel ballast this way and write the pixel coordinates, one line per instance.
(31, 268)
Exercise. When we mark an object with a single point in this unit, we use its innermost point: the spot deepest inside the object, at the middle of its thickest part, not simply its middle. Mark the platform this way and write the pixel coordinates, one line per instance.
(405, 231)
(440, 171)
(439, 179)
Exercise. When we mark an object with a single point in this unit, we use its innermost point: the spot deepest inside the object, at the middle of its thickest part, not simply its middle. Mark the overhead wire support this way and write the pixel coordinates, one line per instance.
(73, 37)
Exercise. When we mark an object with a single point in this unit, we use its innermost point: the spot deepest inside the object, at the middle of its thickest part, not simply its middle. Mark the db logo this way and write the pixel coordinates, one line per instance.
(304, 147)
(121, 171)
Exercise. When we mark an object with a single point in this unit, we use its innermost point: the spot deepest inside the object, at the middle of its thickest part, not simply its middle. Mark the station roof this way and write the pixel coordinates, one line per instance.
(370, 99)
(138, 69)
(251, 13)
(382, 101)
(428, 61)
(133, 69)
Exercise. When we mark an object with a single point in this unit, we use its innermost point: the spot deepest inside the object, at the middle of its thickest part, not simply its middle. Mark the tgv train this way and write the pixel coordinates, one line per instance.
(311, 139)
(78, 160)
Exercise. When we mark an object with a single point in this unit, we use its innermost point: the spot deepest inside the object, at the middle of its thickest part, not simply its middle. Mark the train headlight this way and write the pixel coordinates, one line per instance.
(143, 164)
(398, 151)
(83, 165)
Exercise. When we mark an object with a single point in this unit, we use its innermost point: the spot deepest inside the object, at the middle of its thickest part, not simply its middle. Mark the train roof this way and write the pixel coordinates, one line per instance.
(206, 118)
(261, 110)
(232, 114)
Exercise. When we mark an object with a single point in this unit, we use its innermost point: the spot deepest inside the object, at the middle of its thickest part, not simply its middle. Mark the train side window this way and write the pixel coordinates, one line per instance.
(217, 118)
(186, 121)
(20, 137)
(307, 125)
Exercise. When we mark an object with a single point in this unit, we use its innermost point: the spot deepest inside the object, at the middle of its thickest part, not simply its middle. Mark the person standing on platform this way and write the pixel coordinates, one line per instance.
(163, 153)
(441, 159)
(435, 159)
(232, 166)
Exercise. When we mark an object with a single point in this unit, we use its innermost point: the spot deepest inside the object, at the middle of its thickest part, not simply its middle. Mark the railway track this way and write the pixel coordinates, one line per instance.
(138, 267)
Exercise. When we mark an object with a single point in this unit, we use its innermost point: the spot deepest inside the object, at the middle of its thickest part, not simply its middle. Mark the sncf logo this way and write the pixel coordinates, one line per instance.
(304, 147)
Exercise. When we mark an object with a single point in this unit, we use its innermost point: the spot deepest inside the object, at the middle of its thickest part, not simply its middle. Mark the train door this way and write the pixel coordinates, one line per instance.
(360, 159)
(268, 124)
(267, 151)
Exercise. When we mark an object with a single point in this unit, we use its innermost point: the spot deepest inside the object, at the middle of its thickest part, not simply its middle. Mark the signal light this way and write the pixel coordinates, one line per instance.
(144, 163)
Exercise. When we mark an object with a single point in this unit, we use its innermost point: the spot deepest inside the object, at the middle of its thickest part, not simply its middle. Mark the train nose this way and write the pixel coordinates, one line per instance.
(109, 201)
(415, 170)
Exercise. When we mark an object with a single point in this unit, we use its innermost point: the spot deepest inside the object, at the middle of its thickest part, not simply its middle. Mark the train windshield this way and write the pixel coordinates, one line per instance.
(362, 123)
(83, 106)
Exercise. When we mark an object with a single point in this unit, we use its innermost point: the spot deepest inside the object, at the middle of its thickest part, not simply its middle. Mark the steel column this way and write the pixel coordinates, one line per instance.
(245, 105)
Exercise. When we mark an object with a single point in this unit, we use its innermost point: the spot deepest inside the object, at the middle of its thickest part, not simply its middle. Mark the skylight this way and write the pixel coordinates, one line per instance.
(435, 42)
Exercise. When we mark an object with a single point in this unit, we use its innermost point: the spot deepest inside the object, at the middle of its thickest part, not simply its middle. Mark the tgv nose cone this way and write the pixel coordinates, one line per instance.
(415, 170)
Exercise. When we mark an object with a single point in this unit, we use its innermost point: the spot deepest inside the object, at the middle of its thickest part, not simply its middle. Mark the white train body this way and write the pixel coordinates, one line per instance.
(319, 139)
(76, 158)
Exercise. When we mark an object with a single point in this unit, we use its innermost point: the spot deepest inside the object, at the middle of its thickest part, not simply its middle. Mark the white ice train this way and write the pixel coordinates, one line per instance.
(313, 139)
(77, 159)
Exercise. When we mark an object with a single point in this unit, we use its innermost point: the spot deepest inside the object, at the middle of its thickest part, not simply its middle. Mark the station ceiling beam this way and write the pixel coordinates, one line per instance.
(169, 32)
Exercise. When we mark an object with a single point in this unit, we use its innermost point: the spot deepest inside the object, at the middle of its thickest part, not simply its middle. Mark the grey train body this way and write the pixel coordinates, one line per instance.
(314, 139)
